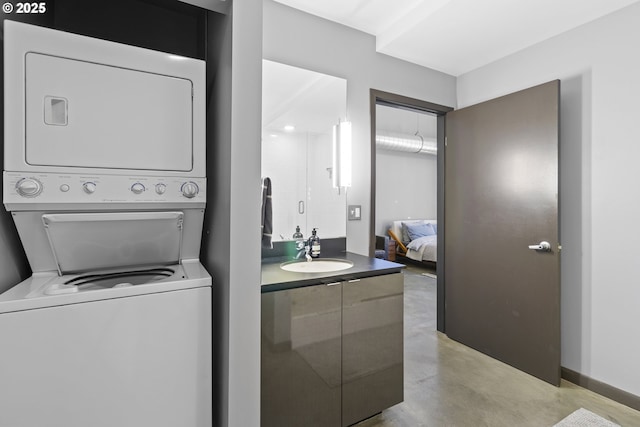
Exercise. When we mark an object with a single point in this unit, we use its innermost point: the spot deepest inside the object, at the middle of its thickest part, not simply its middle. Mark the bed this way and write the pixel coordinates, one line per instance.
(416, 239)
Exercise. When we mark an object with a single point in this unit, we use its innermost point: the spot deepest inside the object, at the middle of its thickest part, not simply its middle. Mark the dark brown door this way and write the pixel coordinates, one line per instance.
(501, 197)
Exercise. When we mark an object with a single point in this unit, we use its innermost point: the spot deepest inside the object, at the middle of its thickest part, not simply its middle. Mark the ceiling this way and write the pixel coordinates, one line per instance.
(457, 36)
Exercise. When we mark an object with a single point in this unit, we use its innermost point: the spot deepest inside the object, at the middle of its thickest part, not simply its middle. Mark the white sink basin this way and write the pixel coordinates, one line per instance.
(316, 266)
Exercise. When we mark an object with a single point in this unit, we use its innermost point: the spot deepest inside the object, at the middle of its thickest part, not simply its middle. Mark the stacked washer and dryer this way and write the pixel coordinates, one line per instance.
(104, 176)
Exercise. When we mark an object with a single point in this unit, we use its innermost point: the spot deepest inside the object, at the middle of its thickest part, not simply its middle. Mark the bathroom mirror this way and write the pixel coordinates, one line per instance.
(299, 109)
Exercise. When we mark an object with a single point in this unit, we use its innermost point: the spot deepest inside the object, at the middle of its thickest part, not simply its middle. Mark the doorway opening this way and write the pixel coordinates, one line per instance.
(428, 137)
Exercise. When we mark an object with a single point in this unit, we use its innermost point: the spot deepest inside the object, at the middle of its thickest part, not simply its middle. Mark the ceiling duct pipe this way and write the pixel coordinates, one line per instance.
(406, 142)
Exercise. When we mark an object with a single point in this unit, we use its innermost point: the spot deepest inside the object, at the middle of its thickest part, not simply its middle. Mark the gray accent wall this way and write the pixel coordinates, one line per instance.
(14, 267)
(13, 262)
(598, 66)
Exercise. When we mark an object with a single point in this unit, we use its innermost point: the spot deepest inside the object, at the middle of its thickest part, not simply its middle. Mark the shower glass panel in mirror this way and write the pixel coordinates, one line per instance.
(299, 109)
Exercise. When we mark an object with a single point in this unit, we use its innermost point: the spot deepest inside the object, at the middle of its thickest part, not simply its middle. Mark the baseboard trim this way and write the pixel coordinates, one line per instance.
(620, 396)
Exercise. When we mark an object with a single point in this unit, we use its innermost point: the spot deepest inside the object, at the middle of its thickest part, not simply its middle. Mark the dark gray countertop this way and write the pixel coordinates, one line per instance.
(275, 279)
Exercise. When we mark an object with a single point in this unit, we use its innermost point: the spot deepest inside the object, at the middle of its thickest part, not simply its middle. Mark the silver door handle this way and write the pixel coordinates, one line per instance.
(542, 246)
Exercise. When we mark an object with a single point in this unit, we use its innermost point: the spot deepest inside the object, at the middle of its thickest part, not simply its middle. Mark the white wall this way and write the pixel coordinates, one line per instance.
(406, 185)
(231, 235)
(245, 202)
(296, 38)
(599, 68)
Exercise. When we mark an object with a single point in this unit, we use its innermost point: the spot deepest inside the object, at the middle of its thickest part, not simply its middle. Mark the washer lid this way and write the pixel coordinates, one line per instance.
(89, 241)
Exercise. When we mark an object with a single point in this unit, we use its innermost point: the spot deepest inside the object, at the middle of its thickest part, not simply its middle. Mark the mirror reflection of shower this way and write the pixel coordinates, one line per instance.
(299, 109)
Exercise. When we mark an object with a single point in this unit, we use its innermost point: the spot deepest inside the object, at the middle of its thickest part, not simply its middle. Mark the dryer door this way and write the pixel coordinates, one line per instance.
(90, 115)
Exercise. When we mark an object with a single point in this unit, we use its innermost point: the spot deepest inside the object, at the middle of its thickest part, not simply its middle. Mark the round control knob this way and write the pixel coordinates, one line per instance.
(29, 187)
(89, 187)
(161, 188)
(190, 189)
(137, 188)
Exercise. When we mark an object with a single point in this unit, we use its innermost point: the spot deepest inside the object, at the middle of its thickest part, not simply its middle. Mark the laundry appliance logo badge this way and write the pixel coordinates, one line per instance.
(23, 8)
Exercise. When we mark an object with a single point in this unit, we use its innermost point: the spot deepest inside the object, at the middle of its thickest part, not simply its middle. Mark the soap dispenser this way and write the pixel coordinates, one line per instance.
(297, 235)
(314, 244)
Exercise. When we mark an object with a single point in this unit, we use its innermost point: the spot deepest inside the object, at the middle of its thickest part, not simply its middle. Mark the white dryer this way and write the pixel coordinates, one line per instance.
(104, 176)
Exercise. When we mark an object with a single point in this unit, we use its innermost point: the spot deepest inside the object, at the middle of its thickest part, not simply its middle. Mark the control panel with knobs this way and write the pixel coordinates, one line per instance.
(29, 187)
(189, 189)
(21, 191)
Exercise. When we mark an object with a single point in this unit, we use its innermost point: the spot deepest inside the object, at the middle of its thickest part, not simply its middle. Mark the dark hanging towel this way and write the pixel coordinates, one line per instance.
(267, 215)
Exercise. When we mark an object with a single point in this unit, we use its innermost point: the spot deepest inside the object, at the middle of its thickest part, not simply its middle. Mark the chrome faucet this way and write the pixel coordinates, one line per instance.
(301, 249)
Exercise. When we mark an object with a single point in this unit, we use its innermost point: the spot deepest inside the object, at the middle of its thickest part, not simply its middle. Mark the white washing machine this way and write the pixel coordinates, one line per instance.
(104, 176)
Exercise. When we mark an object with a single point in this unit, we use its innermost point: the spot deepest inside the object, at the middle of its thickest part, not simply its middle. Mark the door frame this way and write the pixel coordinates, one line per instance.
(378, 97)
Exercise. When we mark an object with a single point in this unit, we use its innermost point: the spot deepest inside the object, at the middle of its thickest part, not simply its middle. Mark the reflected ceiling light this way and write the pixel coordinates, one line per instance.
(342, 155)
(289, 128)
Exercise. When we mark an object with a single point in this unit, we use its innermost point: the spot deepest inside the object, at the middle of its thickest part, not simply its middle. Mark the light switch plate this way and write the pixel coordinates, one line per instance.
(355, 213)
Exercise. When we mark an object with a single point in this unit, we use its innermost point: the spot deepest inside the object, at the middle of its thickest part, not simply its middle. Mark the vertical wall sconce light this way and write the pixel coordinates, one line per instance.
(342, 155)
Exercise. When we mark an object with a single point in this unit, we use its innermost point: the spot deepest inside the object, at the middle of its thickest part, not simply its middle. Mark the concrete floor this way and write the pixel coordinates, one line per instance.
(449, 384)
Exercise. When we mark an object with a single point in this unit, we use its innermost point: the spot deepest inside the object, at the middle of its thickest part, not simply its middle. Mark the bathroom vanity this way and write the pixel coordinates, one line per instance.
(332, 342)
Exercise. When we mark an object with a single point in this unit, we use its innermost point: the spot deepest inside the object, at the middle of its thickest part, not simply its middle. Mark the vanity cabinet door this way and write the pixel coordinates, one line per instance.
(372, 346)
(301, 357)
